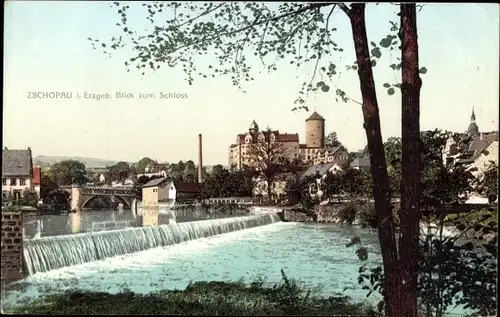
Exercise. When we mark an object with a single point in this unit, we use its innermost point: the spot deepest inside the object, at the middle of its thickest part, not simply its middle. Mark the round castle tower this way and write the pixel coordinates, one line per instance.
(315, 131)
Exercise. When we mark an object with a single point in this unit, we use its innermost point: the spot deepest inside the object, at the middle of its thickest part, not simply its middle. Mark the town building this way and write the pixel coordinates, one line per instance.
(476, 150)
(162, 190)
(279, 185)
(17, 173)
(361, 163)
(313, 151)
(161, 173)
(37, 177)
(319, 172)
(284, 144)
(155, 191)
(337, 155)
(184, 192)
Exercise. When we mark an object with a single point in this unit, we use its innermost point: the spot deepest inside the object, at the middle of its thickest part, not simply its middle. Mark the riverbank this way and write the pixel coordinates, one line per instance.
(203, 298)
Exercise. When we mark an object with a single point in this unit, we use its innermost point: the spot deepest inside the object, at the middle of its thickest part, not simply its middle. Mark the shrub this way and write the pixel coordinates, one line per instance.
(347, 213)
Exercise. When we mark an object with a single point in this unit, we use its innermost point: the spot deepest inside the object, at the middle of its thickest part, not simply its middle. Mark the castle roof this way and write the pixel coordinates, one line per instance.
(280, 137)
(315, 116)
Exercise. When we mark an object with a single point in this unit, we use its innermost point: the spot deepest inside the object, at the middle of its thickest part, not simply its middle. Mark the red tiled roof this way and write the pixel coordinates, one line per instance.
(37, 172)
(280, 137)
(187, 187)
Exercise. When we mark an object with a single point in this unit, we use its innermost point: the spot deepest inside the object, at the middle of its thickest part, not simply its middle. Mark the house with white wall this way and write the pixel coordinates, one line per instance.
(161, 190)
(179, 192)
(17, 173)
(319, 172)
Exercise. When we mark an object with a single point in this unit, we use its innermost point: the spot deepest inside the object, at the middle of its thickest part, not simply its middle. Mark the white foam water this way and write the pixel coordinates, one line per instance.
(45, 254)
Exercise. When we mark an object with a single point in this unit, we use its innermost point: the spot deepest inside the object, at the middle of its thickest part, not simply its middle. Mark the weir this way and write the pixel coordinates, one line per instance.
(45, 254)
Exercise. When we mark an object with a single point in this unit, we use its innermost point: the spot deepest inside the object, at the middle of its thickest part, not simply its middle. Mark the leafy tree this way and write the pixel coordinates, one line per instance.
(145, 179)
(30, 198)
(244, 178)
(293, 189)
(221, 182)
(266, 156)
(141, 165)
(47, 185)
(190, 172)
(69, 172)
(59, 200)
(331, 140)
(332, 185)
(489, 183)
(393, 149)
(447, 264)
(299, 190)
(300, 33)
(349, 182)
(217, 183)
(119, 171)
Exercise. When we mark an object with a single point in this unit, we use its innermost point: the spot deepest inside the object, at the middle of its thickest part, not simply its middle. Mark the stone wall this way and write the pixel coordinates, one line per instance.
(12, 246)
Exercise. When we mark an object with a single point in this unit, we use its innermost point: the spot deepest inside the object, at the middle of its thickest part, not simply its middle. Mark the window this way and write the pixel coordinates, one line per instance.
(4, 181)
(13, 182)
(22, 181)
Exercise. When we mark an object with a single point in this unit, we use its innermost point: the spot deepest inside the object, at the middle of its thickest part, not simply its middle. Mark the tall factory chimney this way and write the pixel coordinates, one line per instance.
(200, 159)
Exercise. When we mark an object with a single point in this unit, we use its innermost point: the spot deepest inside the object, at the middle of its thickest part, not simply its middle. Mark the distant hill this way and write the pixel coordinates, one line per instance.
(90, 162)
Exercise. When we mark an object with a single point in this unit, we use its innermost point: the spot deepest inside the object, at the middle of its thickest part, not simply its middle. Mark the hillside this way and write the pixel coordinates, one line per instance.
(90, 162)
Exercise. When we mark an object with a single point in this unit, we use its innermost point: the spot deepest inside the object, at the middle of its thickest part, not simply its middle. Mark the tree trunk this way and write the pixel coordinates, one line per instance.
(269, 190)
(410, 159)
(380, 177)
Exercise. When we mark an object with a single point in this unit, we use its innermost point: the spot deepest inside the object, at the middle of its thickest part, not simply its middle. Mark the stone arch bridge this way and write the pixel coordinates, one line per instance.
(82, 195)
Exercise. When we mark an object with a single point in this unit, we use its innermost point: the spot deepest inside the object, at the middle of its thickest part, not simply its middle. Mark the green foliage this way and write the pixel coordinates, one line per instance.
(331, 140)
(297, 34)
(68, 172)
(349, 182)
(347, 213)
(119, 172)
(440, 184)
(299, 190)
(366, 214)
(47, 185)
(51, 194)
(488, 186)
(452, 270)
(222, 182)
(286, 298)
(141, 165)
(30, 198)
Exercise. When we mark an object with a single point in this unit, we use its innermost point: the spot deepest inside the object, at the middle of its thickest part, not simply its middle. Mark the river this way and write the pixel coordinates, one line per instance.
(314, 254)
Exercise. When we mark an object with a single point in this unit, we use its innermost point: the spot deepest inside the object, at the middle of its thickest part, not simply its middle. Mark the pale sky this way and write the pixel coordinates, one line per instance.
(46, 49)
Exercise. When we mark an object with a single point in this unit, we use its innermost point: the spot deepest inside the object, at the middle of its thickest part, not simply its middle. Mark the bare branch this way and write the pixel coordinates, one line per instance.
(344, 8)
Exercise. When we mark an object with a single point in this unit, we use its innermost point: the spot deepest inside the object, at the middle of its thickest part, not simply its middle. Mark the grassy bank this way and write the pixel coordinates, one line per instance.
(206, 298)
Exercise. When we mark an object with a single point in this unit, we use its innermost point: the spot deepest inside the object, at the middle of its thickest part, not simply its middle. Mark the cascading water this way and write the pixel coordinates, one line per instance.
(51, 253)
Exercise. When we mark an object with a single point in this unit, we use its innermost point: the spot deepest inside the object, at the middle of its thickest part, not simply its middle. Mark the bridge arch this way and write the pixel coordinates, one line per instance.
(82, 195)
(125, 203)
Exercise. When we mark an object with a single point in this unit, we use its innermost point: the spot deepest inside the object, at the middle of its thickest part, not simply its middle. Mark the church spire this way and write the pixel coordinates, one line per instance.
(473, 128)
(473, 116)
